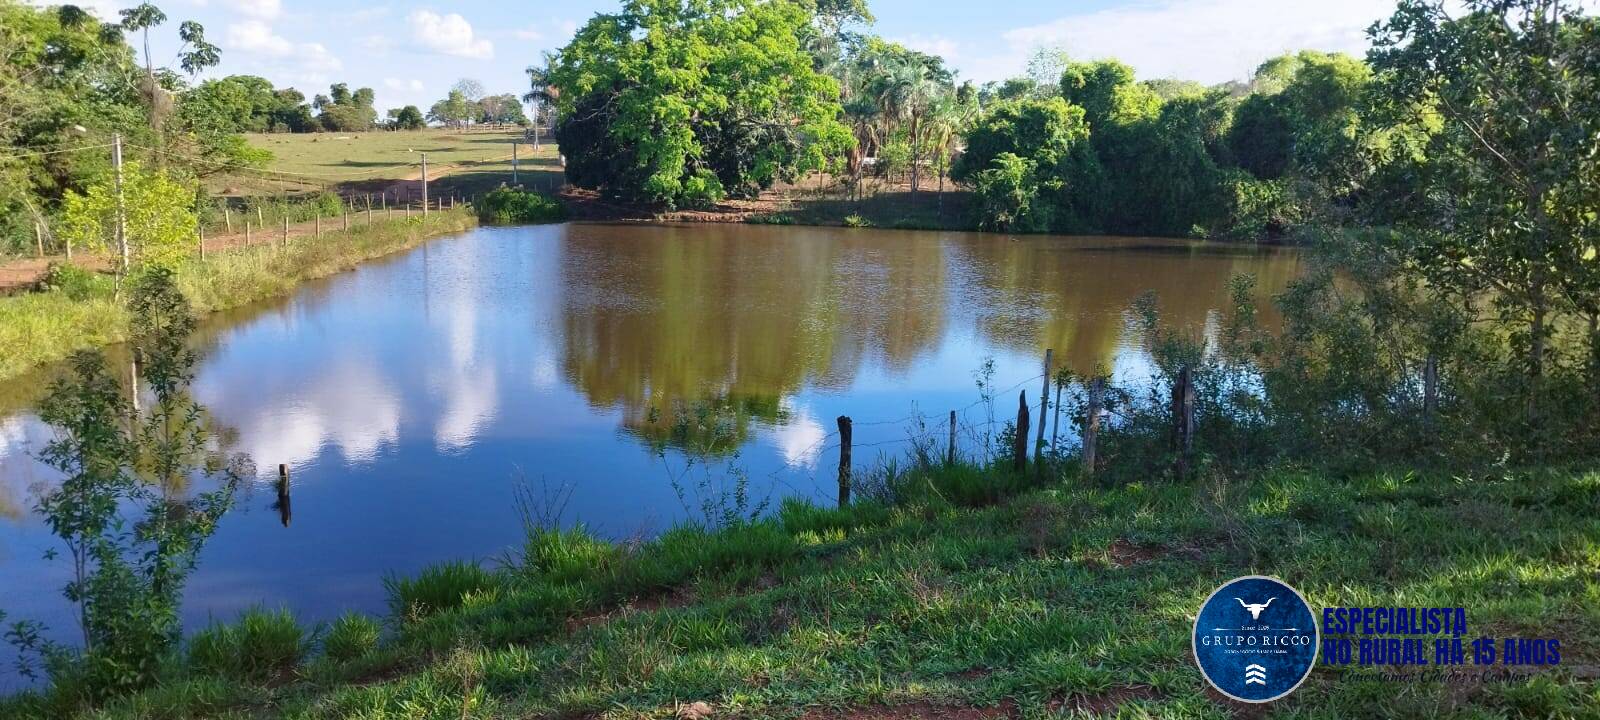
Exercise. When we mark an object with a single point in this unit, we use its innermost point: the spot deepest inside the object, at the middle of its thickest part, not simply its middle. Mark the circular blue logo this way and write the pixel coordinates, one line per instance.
(1256, 639)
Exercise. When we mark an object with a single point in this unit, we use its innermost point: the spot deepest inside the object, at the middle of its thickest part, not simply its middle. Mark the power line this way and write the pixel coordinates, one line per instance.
(58, 151)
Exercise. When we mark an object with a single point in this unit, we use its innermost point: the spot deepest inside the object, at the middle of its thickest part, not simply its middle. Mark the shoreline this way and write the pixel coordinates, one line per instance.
(51, 324)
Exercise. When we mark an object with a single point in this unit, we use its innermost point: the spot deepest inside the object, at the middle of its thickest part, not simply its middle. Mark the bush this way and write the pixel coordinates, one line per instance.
(509, 206)
(351, 636)
(263, 645)
(856, 221)
(769, 219)
(76, 282)
(439, 587)
(1007, 196)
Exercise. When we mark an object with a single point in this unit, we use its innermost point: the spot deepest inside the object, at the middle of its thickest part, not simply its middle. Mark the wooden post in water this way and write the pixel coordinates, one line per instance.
(1183, 418)
(1044, 406)
(844, 460)
(1091, 424)
(283, 494)
(1019, 444)
(950, 450)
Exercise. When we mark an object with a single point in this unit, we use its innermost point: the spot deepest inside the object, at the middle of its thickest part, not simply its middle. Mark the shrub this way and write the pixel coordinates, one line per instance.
(351, 636)
(439, 587)
(509, 206)
(769, 219)
(263, 645)
(76, 282)
(856, 221)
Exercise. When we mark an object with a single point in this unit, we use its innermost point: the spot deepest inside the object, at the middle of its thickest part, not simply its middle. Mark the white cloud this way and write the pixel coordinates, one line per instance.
(398, 84)
(931, 44)
(254, 36)
(448, 34)
(1209, 41)
(264, 9)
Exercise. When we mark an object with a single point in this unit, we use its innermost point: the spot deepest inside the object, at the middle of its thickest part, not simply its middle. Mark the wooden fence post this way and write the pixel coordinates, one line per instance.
(1183, 418)
(844, 460)
(1055, 428)
(247, 232)
(347, 219)
(200, 232)
(261, 219)
(1019, 444)
(950, 451)
(1044, 406)
(38, 238)
(285, 243)
(319, 225)
(1091, 424)
(227, 217)
(1430, 390)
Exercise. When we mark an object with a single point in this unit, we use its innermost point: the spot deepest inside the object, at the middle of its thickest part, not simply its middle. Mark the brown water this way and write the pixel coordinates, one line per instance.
(407, 395)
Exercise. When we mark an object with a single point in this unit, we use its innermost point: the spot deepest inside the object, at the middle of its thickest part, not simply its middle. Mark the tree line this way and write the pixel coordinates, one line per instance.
(1453, 173)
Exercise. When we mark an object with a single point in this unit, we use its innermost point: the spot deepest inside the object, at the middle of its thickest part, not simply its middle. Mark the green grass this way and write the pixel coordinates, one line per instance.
(46, 326)
(462, 161)
(263, 645)
(1049, 597)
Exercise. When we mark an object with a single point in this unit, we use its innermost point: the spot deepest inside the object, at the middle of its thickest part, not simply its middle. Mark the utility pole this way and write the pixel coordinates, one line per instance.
(122, 230)
(424, 184)
(514, 163)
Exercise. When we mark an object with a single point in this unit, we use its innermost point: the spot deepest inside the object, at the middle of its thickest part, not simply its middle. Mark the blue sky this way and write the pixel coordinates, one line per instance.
(411, 52)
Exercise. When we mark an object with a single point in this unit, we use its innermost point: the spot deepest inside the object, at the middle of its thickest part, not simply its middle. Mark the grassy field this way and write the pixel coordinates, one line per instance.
(80, 311)
(961, 593)
(369, 160)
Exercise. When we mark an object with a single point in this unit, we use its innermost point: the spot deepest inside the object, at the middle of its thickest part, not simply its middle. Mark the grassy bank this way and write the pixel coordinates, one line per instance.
(959, 593)
(79, 310)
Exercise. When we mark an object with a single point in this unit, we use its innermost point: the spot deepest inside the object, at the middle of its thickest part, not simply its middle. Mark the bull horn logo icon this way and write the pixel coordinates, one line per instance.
(1255, 610)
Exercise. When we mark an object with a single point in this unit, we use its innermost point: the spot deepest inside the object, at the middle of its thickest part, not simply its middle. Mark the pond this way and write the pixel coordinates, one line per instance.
(410, 397)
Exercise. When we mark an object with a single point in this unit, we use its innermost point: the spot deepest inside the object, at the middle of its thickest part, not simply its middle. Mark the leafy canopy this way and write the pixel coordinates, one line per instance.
(680, 102)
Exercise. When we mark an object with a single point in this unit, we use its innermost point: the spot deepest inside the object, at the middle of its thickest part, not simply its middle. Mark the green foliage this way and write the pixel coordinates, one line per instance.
(350, 637)
(1498, 204)
(406, 118)
(160, 225)
(565, 556)
(130, 533)
(437, 588)
(679, 104)
(261, 646)
(76, 282)
(856, 221)
(512, 206)
(769, 219)
(1024, 160)
(1008, 196)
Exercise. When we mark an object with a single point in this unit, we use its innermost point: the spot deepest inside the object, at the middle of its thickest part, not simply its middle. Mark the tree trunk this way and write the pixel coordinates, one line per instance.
(916, 156)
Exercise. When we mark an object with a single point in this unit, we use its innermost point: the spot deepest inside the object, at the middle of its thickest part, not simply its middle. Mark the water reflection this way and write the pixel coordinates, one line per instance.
(404, 395)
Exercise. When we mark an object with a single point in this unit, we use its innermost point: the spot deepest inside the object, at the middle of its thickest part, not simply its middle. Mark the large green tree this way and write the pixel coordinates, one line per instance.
(680, 102)
(1502, 202)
